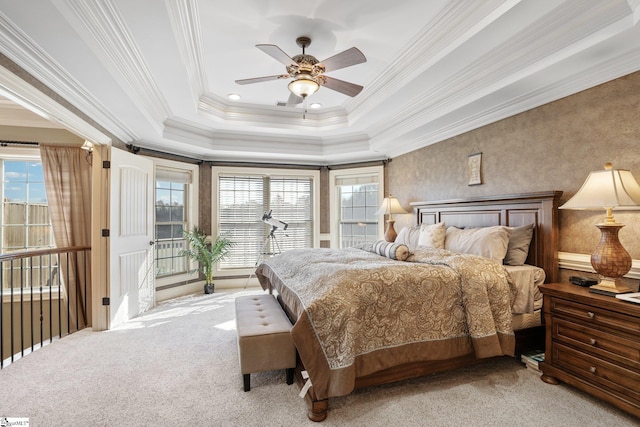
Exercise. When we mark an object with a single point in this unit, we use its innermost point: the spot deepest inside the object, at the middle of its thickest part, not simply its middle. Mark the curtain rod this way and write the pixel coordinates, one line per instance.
(160, 154)
(4, 143)
(262, 165)
(141, 150)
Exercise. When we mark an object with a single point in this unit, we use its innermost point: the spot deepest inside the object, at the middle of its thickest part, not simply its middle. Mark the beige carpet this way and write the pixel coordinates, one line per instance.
(177, 365)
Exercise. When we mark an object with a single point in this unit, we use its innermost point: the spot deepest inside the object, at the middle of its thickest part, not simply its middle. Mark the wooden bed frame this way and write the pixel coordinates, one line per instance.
(539, 208)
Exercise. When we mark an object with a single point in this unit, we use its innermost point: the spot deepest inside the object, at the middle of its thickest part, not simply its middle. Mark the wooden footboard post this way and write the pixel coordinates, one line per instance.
(317, 408)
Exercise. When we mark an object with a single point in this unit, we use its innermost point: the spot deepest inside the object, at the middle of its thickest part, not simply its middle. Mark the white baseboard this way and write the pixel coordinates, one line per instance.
(582, 262)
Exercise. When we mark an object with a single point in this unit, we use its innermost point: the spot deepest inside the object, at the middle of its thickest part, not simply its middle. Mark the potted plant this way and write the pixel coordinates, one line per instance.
(206, 252)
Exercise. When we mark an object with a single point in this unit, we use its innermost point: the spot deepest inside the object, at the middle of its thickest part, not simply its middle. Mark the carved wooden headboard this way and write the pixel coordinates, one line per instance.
(540, 208)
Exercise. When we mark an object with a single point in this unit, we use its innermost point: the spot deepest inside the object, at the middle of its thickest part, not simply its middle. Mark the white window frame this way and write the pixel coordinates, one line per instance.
(216, 171)
(192, 210)
(334, 206)
(27, 153)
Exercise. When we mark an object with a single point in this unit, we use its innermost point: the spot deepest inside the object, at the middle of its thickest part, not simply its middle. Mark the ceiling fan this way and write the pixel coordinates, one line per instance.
(308, 73)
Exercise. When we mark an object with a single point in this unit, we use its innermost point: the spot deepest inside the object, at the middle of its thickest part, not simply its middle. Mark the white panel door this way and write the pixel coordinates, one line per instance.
(131, 268)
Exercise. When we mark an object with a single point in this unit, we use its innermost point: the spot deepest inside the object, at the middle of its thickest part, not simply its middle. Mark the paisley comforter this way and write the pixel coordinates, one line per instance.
(357, 312)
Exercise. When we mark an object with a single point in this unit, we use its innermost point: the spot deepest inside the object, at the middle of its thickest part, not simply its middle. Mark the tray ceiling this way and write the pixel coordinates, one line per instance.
(157, 74)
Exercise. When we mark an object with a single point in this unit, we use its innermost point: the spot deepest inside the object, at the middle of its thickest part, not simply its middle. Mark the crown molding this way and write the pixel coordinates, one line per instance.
(502, 67)
(30, 57)
(115, 45)
(265, 116)
(293, 146)
(616, 67)
(205, 137)
(453, 26)
(22, 93)
(635, 9)
(185, 22)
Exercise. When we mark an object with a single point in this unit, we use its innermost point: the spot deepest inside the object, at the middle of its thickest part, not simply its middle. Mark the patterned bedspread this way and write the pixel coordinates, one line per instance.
(358, 312)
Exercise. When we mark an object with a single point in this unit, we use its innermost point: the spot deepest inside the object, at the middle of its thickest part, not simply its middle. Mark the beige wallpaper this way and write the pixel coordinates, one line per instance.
(552, 147)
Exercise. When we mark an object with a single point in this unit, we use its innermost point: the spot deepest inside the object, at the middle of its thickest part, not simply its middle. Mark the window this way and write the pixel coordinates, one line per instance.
(245, 195)
(356, 198)
(25, 223)
(175, 211)
(25, 212)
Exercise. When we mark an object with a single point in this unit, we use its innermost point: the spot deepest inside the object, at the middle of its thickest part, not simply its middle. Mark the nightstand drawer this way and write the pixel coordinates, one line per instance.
(598, 343)
(592, 343)
(596, 316)
(624, 382)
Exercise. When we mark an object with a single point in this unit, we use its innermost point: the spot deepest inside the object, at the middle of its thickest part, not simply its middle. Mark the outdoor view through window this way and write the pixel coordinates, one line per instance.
(25, 213)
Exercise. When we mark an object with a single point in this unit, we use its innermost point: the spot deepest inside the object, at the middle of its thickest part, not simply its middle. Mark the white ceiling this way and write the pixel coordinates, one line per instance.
(157, 73)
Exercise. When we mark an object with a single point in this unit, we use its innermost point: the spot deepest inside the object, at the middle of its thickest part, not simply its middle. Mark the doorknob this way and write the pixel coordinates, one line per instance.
(151, 243)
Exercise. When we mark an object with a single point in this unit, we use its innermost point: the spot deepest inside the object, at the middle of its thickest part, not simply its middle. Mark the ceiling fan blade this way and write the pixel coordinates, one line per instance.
(276, 53)
(344, 59)
(262, 79)
(341, 86)
(294, 100)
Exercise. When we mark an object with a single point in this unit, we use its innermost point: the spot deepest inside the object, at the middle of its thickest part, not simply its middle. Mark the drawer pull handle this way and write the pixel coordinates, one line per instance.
(592, 369)
(591, 314)
(592, 341)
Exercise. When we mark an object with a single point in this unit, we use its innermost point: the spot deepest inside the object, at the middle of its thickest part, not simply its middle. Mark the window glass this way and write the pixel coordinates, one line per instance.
(25, 212)
(357, 220)
(25, 223)
(170, 206)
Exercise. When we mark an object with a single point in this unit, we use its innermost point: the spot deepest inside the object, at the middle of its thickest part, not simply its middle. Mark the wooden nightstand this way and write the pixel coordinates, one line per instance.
(592, 343)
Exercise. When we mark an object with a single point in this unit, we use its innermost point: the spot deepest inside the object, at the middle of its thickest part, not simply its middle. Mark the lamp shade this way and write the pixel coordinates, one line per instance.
(88, 145)
(608, 188)
(390, 205)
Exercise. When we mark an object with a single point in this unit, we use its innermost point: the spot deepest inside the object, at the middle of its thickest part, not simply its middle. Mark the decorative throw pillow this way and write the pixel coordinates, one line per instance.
(432, 235)
(519, 242)
(391, 250)
(489, 242)
(409, 236)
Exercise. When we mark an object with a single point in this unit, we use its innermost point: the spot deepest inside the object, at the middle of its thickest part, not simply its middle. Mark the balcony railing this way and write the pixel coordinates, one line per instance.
(43, 297)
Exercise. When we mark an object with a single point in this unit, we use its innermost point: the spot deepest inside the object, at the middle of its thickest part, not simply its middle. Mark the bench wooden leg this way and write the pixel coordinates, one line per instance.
(290, 372)
(247, 381)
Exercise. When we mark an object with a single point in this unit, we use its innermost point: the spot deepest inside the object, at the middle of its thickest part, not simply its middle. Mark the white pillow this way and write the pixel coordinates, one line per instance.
(489, 242)
(432, 235)
(409, 236)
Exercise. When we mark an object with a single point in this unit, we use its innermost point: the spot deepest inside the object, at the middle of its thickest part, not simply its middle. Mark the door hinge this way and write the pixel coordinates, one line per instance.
(106, 164)
(106, 301)
(105, 232)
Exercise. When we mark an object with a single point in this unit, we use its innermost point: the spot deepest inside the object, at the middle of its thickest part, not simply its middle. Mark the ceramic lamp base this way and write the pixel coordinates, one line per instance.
(390, 235)
(610, 260)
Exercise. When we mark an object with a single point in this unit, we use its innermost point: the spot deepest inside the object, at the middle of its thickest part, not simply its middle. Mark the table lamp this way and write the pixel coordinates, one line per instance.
(390, 205)
(608, 189)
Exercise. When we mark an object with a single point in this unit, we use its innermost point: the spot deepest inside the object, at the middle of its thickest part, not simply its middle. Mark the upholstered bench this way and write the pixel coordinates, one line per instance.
(264, 337)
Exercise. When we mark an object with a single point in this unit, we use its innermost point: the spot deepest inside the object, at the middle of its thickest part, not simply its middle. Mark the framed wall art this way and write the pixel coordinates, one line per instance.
(475, 169)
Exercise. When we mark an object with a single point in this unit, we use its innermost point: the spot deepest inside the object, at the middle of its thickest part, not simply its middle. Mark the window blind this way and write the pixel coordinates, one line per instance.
(172, 175)
(242, 201)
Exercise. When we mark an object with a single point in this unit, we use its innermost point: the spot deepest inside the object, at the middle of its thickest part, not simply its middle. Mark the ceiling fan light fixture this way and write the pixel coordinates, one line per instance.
(303, 86)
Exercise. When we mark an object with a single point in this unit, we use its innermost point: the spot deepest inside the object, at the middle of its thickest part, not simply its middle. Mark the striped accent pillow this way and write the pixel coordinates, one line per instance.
(391, 250)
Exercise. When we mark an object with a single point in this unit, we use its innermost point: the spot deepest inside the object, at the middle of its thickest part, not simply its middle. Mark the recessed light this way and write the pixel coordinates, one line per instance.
(233, 96)
(315, 105)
